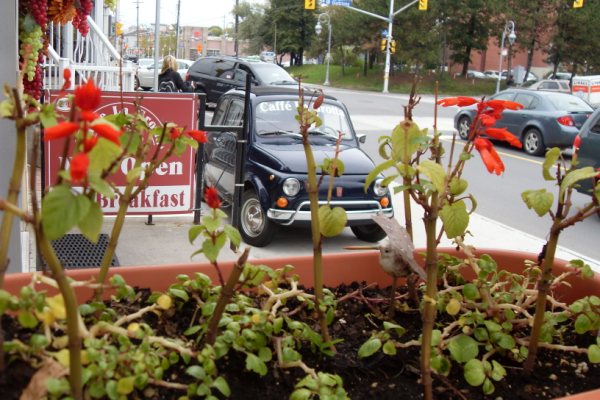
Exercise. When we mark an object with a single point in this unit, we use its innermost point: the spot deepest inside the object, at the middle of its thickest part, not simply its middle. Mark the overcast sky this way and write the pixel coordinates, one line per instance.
(192, 12)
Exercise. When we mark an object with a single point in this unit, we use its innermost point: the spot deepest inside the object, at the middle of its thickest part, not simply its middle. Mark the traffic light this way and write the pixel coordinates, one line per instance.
(199, 47)
(577, 3)
(393, 46)
(423, 5)
(310, 4)
(383, 44)
(118, 28)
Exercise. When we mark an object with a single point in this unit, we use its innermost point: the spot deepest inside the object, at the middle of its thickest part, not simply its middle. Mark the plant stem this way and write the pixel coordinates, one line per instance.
(68, 294)
(543, 287)
(225, 296)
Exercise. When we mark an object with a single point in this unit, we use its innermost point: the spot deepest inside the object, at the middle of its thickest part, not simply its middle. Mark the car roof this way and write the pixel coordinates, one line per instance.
(263, 91)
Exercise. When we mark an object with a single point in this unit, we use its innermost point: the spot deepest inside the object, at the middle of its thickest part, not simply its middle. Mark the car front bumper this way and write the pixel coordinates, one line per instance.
(355, 211)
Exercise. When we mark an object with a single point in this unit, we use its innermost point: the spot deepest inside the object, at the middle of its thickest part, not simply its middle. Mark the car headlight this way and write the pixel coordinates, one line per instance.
(379, 189)
(291, 186)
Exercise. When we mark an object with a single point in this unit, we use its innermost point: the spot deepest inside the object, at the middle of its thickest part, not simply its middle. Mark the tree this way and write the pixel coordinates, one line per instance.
(253, 26)
(215, 30)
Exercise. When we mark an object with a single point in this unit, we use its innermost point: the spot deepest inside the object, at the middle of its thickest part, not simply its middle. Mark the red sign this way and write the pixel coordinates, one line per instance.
(171, 188)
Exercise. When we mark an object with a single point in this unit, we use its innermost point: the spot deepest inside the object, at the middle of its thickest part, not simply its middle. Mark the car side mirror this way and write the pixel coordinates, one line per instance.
(362, 138)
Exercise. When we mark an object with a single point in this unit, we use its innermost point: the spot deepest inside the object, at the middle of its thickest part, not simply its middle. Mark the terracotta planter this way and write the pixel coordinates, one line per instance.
(338, 268)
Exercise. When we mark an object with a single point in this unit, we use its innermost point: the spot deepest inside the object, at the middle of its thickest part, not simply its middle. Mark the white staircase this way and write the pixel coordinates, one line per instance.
(92, 56)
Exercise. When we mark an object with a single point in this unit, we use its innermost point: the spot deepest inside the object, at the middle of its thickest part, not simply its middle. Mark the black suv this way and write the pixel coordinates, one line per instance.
(217, 75)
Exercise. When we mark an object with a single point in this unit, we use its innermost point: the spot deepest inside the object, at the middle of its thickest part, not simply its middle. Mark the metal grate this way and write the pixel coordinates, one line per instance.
(75, 251)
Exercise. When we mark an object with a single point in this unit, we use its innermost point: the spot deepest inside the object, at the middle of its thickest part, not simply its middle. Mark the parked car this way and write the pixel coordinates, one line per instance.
(217, 75)
(275, 170)
(531, 77)
(589, 150)
(145, 76)
(560, 75)
(548, 119)
(551, 85)
(490, 73)
(476, 74)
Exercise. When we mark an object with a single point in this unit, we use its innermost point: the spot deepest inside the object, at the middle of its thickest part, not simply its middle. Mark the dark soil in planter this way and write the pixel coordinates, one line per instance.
(377, 377)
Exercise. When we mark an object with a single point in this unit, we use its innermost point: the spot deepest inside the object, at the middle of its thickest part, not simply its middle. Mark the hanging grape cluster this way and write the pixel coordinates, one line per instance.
(31, 42)
(80, 18)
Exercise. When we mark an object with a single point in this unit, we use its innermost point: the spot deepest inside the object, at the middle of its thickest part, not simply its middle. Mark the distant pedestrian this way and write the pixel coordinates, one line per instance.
(169, 79)
(510, 81)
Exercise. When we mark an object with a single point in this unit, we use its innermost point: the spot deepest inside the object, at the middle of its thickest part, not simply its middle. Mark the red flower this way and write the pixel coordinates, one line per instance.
(318, 101)
(79, 167)
(503, 134)
(67, 74)
(487, 120)
(504, 104)
(175, 133)
(64, 129)
(87, 97)
(88, 116)
(211, 197)
(107, 132)
(460, 101)
(490, 158)
(89, 143)
(577, 142)
(200, 136)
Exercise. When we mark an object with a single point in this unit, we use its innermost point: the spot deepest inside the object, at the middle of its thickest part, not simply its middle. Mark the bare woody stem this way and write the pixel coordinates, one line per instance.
(68, 294)
(225, 296)
(540, 306)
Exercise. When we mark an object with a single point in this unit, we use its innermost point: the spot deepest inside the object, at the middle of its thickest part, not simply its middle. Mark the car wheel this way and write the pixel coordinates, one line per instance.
(136, 83)
(369, 233)
(464, 126)
(533, 142)
(256, 229)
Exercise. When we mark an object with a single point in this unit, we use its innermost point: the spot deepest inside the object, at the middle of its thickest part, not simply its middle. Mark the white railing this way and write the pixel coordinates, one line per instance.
(88, 57)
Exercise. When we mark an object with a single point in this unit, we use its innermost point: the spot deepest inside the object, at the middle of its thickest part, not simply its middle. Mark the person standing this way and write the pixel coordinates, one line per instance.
(169, 79)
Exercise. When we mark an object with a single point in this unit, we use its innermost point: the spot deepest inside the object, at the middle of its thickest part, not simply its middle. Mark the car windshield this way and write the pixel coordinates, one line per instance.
(569, 103)
(271, 74)
(277, 117)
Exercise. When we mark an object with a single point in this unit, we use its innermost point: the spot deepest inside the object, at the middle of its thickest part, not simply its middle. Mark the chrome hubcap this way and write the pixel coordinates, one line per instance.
(253, 218)
(531, 142)
(463, 129)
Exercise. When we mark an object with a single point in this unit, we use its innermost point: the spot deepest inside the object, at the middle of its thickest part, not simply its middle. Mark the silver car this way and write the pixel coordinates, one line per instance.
(589, 150)
(145, 76)
(547, 119)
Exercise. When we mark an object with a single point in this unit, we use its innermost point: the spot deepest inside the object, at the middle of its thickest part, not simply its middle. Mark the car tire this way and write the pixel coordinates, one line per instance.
(255, 227)
(136, 83)
(371, 233)
(533, 142)
(464, 126)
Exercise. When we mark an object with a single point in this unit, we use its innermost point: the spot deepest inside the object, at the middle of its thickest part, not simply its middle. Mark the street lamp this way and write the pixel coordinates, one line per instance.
(318, 29)
(509, 29)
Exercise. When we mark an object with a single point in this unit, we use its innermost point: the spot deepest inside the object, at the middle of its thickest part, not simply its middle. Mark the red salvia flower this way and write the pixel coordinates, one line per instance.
(67, 77)
(199, 136)
(87, 97)
(487, 120)
(503, 134)
(107, 132)
(175, 133)
(460, 101)
(61, 130)
(577, 142)
(79, 167)
(489, 156)
(88, 116)
(211, 197)
(504, 104)
(89, 143)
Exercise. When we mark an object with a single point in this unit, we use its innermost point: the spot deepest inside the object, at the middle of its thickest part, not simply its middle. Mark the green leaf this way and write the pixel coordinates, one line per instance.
(474, 372)
(91, 225)
(58, 387)
(133, 174)
(498, 371)
(463, 348)
(211, 223)
(125, 385)
(435, 173)
(389, 348)
(583, 323)
(196, 371)
(575, 176)
(233, 234)
(47, 115)
(458, 186)
(61, 211)
(488, 386)
(103, 156)
(253, 363)
(594, 353)
(440, 364)
(194, 232)
(332, 221)
(301, 394)
(540, 200)
(27, 319)
(7, 108)
(455, 218)
(369, 347)
(222, 386)
(211, 250)
(376, 171)
(405, 140)
(551, 157)
(101, 186)
(470, 291)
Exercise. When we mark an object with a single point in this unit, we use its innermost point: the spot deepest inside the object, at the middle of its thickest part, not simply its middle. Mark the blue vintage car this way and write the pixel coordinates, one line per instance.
(276, 165)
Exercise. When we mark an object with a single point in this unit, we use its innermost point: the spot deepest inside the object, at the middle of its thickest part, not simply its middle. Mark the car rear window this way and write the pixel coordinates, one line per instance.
(279, 115)
(569, 103)
(203, 66)
(270, 73)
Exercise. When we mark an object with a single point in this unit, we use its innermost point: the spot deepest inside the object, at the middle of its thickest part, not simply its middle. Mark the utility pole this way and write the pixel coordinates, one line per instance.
(177, 30)
(235, 29)
(137, 28)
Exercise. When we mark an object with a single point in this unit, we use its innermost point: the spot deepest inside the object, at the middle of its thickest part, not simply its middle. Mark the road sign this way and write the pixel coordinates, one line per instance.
(422, 5)
(384, 33)
(310, 4)
(345, 3)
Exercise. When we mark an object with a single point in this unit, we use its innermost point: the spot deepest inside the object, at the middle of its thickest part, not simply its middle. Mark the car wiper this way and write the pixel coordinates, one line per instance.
(283, 82)
(320, 132)
(281, 133)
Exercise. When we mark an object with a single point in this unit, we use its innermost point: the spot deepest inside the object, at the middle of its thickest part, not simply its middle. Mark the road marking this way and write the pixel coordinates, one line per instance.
(447, 138)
